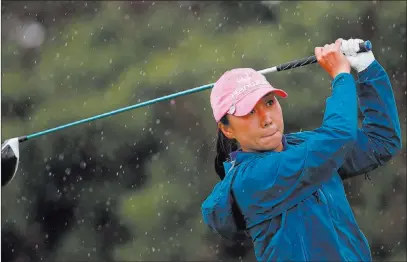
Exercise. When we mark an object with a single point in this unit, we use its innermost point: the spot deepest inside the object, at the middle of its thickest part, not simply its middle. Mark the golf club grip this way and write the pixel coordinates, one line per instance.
(363, 47)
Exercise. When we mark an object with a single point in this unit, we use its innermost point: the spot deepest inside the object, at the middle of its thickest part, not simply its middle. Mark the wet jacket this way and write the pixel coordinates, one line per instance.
(293, 202)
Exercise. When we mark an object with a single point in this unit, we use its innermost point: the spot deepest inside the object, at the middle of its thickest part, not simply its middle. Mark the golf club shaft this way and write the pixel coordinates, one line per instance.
(364, 47)
(117, 111)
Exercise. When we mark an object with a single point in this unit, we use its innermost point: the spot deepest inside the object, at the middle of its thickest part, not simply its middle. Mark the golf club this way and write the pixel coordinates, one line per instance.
(10, 148)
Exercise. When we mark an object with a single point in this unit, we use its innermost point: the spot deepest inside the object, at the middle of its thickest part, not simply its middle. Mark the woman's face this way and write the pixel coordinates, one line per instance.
(260, 130)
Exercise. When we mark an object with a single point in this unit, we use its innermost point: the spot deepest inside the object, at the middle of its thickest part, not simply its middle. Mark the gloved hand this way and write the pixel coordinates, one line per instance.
(358, 61)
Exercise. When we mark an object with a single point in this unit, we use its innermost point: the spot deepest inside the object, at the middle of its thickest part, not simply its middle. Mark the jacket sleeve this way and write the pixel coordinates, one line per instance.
(379, 139)
(279, 180)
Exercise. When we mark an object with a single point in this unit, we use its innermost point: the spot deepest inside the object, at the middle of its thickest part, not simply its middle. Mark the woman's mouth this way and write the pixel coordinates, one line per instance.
(269, 134)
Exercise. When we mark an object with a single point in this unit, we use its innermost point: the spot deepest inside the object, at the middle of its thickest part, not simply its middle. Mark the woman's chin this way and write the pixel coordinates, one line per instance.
(272, 142)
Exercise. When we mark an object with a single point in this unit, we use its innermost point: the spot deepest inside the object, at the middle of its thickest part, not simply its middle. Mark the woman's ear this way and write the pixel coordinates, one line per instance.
(226, 130)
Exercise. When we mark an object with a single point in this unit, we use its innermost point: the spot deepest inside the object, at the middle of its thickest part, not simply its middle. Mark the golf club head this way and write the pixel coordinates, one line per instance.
(10, 156)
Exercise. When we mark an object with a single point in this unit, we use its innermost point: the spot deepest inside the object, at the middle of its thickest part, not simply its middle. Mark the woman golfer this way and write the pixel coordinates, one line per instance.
(285, 190)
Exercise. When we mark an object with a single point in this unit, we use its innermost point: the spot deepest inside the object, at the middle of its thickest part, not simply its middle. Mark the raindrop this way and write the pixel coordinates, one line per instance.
(83, 164)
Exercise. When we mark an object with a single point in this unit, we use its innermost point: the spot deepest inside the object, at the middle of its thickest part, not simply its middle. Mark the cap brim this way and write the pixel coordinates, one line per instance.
(244, 106)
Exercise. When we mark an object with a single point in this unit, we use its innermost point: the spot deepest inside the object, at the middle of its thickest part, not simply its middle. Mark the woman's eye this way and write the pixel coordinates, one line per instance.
(251, 112)
(270, 102)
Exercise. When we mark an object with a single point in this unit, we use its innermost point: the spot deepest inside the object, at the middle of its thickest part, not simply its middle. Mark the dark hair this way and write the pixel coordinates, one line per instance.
(224, 146)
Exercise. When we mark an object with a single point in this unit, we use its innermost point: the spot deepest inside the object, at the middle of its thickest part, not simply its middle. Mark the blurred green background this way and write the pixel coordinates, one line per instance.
(129, 187)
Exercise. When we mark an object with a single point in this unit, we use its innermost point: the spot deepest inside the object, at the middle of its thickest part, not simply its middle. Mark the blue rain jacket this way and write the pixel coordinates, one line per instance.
(293, 202)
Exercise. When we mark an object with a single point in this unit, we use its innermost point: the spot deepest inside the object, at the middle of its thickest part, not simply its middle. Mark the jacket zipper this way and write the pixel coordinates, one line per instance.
(303, 248)
(302, 241)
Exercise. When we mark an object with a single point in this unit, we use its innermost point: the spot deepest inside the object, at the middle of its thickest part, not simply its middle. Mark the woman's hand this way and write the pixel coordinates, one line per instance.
(358, 61)
(332, 60)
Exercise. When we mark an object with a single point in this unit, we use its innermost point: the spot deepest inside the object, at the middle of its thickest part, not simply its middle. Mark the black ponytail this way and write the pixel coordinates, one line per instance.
(224, 146)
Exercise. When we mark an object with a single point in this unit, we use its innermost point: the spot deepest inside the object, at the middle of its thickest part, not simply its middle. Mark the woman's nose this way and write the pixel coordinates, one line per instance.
(266, 117)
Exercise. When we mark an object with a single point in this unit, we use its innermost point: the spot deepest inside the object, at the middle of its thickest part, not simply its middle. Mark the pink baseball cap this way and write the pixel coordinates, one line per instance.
(237, 92)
